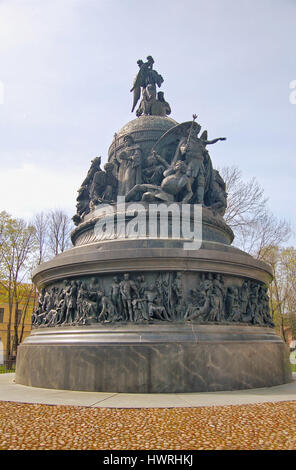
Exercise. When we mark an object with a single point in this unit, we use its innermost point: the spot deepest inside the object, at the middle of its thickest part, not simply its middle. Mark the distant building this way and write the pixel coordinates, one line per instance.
(23, 311)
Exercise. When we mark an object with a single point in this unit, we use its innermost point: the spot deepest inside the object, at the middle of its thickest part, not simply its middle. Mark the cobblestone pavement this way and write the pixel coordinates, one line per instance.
(252, 427)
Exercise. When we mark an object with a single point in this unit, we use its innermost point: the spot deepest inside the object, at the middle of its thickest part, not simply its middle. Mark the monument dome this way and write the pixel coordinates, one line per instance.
(145, 130)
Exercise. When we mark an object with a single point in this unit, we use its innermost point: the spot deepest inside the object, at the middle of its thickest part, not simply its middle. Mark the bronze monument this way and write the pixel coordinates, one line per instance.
(138, 304)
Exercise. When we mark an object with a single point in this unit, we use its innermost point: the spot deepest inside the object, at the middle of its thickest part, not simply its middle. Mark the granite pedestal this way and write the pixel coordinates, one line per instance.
(153, 358)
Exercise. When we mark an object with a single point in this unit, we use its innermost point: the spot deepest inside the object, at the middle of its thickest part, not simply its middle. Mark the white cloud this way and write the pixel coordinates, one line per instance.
(29, 189)
(67, 67)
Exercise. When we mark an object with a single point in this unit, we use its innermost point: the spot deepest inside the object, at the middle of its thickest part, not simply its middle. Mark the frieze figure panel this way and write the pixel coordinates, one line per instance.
(153, 297)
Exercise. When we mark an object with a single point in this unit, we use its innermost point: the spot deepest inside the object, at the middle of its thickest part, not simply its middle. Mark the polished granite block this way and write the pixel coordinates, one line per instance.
(150, 359)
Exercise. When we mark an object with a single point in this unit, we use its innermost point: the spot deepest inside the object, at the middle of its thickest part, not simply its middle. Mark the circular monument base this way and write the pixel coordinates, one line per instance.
(153, 358)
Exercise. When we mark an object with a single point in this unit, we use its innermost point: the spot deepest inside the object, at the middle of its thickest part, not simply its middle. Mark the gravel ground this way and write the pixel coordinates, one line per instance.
(250, 427)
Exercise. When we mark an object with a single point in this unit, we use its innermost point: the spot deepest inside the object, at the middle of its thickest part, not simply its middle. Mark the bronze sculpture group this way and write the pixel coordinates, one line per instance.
(178, 169)
(184, 174)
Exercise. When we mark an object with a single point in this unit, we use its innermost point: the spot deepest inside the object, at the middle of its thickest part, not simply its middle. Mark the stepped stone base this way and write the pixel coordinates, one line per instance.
(158, 358)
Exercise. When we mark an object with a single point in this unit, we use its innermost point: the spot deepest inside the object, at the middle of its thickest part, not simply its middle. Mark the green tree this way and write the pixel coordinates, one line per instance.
(282, 290)
(17, 247)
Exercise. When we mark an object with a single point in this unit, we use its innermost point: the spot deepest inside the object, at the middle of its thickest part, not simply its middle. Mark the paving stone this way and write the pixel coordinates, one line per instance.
(264, 426)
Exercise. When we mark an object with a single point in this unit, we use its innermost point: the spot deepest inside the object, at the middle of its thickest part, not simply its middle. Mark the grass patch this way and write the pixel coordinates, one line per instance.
(4, 370)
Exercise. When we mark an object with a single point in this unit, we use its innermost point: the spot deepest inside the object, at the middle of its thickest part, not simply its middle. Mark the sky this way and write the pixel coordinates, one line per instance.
(67, 67)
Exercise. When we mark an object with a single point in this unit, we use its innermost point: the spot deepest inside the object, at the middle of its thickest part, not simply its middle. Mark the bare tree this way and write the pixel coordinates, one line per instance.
(59, 229)
(263, 234)
(247, 213)
(258, 232)
(40, 223)
(245, 200)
